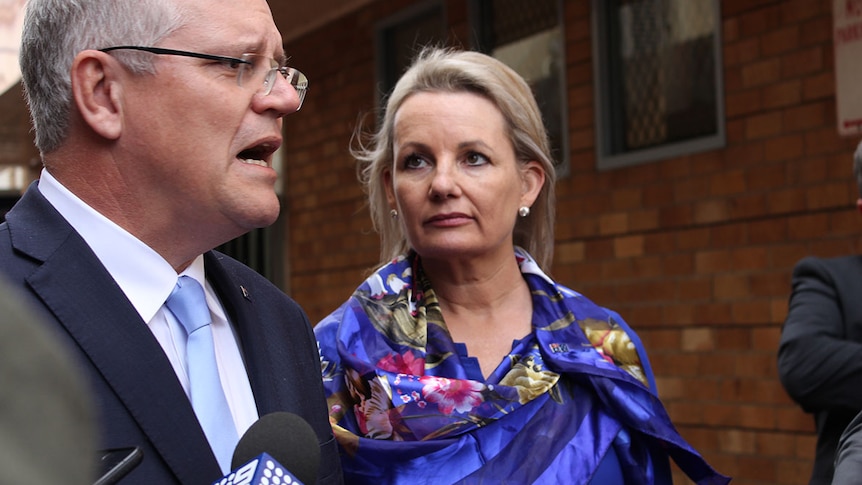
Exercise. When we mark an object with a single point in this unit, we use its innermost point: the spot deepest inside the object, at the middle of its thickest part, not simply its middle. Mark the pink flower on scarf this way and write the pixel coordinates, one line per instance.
(459, 394)
(402, 364)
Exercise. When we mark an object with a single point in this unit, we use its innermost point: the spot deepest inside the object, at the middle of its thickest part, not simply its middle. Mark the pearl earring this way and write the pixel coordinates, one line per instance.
(393, 214)
(524, 211)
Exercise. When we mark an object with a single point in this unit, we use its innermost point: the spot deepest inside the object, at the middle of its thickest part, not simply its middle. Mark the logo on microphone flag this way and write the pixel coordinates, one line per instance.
(261, 470)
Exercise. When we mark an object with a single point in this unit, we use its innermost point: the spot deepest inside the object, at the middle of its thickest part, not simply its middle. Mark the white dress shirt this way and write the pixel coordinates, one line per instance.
(147, 280)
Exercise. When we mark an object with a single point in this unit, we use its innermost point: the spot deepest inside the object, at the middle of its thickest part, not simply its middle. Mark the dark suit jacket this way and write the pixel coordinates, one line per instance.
(139, 399)
(848, 457)
(820, 352)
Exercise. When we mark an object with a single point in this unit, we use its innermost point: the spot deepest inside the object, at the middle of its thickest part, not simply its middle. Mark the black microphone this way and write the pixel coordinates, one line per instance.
(281, 446)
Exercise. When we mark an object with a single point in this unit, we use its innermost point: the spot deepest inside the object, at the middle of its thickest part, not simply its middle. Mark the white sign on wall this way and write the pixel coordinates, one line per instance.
(847, 37)
(11, 20)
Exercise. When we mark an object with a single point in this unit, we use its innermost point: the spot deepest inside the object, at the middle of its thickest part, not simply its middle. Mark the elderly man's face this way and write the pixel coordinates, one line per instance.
(207, 142)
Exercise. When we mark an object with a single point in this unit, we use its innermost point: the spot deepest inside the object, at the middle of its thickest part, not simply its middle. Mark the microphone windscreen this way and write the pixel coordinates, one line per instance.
(286, 437)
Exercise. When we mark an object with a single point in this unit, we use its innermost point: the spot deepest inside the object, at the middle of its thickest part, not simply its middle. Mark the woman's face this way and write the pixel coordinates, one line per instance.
(455, 181)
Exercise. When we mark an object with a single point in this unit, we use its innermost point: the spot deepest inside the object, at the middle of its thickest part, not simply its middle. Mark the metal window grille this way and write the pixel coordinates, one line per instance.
(260, 250)
(528, 36)
(659, 88)
(511, 20)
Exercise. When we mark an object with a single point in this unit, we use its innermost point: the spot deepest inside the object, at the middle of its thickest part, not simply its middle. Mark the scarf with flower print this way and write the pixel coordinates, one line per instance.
(404, 410)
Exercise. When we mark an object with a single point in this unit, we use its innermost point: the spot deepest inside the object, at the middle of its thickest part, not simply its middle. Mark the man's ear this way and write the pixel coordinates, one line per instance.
(97, 91)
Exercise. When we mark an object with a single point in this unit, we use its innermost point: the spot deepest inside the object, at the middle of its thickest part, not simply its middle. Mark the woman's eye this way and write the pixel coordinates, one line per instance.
(414, 161)
(476, 159)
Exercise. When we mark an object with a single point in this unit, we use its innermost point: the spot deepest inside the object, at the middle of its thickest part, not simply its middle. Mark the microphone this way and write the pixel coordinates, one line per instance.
(279, 448)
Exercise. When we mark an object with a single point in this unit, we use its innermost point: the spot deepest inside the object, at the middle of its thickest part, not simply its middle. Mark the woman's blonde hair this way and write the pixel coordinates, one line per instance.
(448, 70)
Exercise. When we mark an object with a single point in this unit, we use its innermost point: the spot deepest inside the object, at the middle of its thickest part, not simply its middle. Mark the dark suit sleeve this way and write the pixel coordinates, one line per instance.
(819, 353)
(848, 456)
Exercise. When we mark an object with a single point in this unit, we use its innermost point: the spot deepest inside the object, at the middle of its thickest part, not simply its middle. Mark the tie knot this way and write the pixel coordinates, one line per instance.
(189, 304)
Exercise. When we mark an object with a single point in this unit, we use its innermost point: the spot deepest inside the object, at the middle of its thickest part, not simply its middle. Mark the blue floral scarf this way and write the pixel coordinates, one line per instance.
(574, 391)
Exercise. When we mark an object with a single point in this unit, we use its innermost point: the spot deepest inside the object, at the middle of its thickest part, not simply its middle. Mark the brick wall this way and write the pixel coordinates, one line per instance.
(694, 252)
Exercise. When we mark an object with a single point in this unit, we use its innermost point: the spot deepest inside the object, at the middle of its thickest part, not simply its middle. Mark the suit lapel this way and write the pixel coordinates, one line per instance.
(253, 333)
(92, 308)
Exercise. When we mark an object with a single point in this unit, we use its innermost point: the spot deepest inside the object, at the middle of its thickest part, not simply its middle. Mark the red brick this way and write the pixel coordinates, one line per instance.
(643, 220)
(616, 269)
(767, 338)
(615, 223)
(767, 231)
(751, 312)
(782, 148)
(816, 30)
(775, 444)
(676, 216)
(764, 125)
(710, 211)
(818, 86)
(569, 252)
(830, 248)
(744, 102)
(696, 238)
(625, 247)
(805, 61)
(627, 198)
(598, 249)
(782, 94)
(749, 258)
(788, 200)
(830, 195)
(729, 235)
(691, 189)
(756, 21)
(730, 287)
(694, 289)
(769, 284)
(780, 41)
(770, 176)
(757, 468)
(677, 264)
(802, 227)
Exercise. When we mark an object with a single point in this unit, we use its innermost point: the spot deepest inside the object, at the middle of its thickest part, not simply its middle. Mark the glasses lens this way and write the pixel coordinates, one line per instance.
(298, 81)
(256, 71)
(262, 71)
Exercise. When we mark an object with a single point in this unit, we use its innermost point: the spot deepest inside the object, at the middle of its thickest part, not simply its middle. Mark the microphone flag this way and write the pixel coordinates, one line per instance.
(260, 470)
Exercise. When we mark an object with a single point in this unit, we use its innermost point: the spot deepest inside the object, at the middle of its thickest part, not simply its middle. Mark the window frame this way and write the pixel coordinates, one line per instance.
(480, 40)
(384, 61)
(603, 104)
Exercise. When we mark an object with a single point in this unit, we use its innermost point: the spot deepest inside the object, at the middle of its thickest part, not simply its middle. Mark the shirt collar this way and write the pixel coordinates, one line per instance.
(141, 273)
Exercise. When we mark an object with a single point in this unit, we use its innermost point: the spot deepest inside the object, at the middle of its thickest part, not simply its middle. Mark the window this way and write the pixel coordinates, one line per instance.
(402, 36)
(527, 35)
(259, 250)
(657, 79)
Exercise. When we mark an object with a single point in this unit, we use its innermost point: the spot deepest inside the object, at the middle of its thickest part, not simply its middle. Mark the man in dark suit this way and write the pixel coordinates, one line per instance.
(820, 352)
(157, 121)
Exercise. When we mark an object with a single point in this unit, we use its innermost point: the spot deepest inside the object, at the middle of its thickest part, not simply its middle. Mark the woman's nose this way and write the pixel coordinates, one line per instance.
(444, 182)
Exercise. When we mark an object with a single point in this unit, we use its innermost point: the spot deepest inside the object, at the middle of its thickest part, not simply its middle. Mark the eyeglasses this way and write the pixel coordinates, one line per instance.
(253, 69)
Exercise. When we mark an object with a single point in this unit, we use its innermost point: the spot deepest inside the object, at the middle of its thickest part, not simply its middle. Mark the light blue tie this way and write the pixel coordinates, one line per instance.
(188, 304)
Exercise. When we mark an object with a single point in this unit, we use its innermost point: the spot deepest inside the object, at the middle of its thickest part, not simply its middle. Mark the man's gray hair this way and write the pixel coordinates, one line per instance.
(55, 31)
